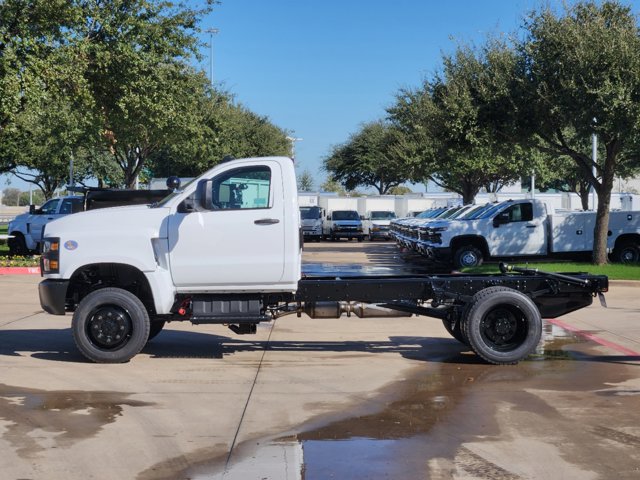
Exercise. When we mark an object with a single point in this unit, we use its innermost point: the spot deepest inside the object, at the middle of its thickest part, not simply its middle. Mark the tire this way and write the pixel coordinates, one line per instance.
(467, 256)
(155, 328)
(360, 239)
(17, 245)
(455, 331)
(627, 252)
(110, 325)
(503, 325)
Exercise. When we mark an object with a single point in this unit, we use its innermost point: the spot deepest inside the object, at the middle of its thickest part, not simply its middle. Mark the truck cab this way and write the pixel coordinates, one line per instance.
(376, 224)
(343, 224)
(26, 229)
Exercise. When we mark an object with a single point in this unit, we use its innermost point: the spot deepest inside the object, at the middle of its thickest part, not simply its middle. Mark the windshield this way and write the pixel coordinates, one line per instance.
(491, 211)
(477, 212)
(310, 213)
(345, 215)
(431, 213)
(172, 195)
(382, 215)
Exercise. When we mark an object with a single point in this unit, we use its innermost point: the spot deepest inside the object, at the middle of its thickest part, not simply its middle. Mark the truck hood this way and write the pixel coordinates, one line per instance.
(347, 223)
(95, 223)
(310, 222)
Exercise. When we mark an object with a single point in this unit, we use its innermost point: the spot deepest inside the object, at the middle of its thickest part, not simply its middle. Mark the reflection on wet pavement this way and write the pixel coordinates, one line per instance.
(35, 420)
(453, 419)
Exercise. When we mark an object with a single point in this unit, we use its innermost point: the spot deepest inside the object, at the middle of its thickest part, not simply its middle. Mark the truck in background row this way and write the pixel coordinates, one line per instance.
(525, 229)
(312, 222)
(206, 256)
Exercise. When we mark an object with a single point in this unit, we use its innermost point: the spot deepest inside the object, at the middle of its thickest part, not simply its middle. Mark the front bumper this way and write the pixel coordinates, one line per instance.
(53, 295)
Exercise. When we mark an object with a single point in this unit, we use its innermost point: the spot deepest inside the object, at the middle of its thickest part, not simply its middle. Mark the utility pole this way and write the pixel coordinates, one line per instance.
(211, 32)
(293, 141)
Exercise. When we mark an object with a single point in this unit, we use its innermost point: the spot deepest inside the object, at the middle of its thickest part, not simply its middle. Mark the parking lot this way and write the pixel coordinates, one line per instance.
(346, 398)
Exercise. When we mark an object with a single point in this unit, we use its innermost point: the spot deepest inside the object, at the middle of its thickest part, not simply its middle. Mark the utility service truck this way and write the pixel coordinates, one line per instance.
(524, 229)
(227, 249)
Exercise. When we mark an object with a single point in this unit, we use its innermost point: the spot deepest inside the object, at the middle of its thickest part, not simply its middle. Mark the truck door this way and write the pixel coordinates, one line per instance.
(239, 242)
(516, 232)
(37, 221)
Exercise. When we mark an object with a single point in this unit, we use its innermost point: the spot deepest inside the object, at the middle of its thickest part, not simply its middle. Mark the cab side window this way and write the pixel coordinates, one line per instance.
(242, 188)
(71, 205)
(50, 207)
(521, 212)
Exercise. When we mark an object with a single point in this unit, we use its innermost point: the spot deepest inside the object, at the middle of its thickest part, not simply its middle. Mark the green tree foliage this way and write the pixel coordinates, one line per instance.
(580, 74)
(305, 181)
(446, 137)
(331, 185)
(368, 159)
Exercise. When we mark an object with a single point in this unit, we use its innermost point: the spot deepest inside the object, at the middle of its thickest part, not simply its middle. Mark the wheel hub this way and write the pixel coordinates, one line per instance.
(109, 326)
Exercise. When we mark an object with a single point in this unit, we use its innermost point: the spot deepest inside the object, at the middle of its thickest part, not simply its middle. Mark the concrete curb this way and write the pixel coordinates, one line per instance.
(19, 270)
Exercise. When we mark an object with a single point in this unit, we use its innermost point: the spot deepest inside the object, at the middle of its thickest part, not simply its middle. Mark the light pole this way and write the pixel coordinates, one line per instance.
(594, 155)
(211, 32)
(293, 141)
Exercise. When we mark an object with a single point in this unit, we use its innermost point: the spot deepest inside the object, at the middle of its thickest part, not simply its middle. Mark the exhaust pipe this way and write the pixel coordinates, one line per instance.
(361, 310)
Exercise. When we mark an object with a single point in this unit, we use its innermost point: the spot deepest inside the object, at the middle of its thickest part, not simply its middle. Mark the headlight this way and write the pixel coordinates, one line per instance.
(50, 259)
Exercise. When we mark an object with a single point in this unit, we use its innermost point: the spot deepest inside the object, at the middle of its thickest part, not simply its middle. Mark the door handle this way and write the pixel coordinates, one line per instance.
(266, 221)
(531, 226)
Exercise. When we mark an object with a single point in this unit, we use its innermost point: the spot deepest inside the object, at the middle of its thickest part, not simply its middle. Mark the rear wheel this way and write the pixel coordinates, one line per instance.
(455, 330)
(503, 325)
(110, 325)
(627, 252)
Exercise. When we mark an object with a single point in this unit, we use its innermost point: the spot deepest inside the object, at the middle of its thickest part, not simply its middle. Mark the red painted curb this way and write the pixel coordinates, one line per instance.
(19, 270)
(595, 338)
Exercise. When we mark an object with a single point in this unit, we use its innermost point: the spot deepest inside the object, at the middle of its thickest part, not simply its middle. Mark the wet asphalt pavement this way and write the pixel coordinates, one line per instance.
(321, 399)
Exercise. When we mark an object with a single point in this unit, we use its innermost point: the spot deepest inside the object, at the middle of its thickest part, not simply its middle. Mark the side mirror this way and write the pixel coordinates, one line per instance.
(204, 197)
(501, 219)
(362, 217)
(32, 209)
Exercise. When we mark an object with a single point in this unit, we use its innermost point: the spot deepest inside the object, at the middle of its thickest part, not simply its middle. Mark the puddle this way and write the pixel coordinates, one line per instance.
(35, 420)
(457, 418)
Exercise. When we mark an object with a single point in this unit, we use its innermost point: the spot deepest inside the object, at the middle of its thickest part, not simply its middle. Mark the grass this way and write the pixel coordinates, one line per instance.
(615, 271)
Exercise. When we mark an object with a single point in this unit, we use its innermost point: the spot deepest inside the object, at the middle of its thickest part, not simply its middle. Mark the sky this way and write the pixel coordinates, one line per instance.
(320, 69)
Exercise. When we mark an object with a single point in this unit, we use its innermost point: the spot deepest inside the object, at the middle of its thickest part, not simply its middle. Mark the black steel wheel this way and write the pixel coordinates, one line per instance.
(110, 325)
(627, 252)
(17, 245)
(503, 325)
(467, 256)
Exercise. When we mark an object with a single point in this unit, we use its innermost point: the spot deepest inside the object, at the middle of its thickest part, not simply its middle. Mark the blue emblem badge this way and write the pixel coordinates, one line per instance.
(70, 244)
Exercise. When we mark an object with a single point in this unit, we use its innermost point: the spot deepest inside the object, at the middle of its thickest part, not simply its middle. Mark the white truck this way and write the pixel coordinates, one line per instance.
(525, 228)
(207, 254)
(26, 229)
(376, 224)
(312, 221)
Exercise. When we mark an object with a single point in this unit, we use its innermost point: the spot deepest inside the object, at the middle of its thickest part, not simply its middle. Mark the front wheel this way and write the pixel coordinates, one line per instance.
(110, 325)
(467, 256)
(503, 325)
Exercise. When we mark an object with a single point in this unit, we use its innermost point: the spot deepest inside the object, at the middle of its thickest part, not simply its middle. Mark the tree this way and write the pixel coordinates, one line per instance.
(331, 185)
(305, 181)
(400, 190)
(580, 75)
(32, 34)
(368, 159)
(445, 135)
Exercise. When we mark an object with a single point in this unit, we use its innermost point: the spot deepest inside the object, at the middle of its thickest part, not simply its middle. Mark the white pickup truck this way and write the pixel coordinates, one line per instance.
(524, 228)
(227, 249)
(26, 228)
